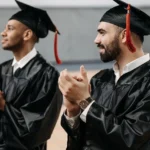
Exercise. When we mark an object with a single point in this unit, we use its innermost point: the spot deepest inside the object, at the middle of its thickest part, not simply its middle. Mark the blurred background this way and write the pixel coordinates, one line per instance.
(77, 21)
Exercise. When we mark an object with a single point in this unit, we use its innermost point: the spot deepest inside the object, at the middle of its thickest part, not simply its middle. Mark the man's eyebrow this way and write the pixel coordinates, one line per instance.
(9, 25)
(101, 30)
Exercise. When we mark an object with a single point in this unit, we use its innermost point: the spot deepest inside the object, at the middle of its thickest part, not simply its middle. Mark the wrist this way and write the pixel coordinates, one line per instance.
(73, 113)
(83, 98)
(85, 102)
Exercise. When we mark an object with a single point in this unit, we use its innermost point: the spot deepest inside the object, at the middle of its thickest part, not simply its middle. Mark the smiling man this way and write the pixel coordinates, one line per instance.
(114, 111)
(30, 99)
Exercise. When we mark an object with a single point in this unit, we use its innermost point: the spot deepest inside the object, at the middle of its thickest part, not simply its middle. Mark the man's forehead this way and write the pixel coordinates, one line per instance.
(15, 23)
(106, 26)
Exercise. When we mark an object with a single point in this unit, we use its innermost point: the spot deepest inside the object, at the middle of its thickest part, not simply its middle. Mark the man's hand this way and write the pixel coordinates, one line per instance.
(72, 108)
(73, 88)
(2, 101)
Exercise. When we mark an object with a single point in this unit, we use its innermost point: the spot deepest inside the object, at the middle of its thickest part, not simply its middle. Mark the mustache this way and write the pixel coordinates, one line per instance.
(100, 46)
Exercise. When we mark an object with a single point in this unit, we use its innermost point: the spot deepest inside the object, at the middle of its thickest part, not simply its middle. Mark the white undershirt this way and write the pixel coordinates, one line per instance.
(130, 66)
(22, 62)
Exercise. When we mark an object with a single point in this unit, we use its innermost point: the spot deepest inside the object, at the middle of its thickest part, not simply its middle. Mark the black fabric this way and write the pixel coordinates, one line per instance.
(120, 116)
(36, 19)
(139, 21)
(33, 103)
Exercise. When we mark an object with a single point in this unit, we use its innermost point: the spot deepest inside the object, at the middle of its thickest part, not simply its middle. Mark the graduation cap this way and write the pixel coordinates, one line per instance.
(38, 21)
(127, 16)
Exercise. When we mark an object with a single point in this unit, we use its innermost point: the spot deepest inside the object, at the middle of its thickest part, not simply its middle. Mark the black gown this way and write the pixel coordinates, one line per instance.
(33, 103)
(119, 118)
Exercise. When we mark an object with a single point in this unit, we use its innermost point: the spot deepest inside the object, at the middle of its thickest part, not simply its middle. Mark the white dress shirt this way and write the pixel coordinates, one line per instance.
(22, 62)
(128, 67)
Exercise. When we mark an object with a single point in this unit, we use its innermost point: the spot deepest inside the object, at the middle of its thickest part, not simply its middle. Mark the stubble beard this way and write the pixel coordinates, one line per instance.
(14, 47)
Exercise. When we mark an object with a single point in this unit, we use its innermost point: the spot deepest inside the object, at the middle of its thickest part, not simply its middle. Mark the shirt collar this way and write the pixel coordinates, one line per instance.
(21, 63)
(133, 64)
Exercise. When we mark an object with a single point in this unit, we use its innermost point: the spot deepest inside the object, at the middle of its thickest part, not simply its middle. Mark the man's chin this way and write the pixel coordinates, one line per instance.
(6, 48)
(105, 60)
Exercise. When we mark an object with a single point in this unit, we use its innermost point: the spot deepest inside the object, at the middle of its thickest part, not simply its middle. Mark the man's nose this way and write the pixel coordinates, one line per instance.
(97, 39)
(3, 33)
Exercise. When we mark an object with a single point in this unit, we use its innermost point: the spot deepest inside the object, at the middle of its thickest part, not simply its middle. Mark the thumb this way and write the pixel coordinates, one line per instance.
(83, 73)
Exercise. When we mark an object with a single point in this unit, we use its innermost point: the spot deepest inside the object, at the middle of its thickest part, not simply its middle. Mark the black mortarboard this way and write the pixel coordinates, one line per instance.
(126, 16)
(38, 21)
(139, 21)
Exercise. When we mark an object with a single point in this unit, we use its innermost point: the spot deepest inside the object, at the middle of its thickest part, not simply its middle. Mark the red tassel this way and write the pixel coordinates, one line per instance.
(128, 33)
(56, 49)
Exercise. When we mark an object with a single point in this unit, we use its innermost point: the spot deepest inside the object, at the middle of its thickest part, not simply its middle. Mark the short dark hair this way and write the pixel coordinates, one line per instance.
(35, 38)
(141, 37)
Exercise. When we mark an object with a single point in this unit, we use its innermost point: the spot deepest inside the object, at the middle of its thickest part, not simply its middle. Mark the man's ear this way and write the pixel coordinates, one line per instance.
(27, 35)
(123, 36)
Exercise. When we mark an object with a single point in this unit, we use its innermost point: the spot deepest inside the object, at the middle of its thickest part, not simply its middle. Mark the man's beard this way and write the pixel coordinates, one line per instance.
(112, 51)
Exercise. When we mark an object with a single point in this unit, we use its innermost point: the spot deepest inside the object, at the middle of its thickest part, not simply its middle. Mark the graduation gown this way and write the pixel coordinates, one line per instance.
(33, 103)
(119, 118)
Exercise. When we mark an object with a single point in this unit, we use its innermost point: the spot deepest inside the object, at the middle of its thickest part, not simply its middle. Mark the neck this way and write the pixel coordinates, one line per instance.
(128, 57)
(19, 54)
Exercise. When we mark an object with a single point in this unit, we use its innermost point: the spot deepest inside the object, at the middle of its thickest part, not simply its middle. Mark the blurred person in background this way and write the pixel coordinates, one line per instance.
(30, 100)
(113, 111)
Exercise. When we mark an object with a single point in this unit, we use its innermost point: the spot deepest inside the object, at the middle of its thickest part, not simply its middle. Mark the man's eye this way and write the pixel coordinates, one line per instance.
(10, 28)
(102, 33)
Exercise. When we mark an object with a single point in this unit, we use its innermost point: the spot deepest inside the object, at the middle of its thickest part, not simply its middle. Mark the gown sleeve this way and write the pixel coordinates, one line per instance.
(75, 136)
(33, 119)
(130, 130)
